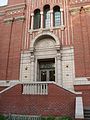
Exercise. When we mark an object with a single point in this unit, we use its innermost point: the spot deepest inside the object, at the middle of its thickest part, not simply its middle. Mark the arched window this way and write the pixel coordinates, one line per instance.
(57, 16)
(37, 19)
(46, 16)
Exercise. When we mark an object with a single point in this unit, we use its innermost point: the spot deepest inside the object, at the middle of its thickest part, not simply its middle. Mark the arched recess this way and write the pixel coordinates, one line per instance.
(45, 49)
(37, 19)
(46, 11)
(48, 34)
(56, 16)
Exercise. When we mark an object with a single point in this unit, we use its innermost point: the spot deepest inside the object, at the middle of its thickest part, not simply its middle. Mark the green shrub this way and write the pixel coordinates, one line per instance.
(64, 118)
(2, 117)
(56, 118)
(50, 118)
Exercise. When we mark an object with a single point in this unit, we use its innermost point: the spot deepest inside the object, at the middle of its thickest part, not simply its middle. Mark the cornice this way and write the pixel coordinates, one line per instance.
(15, 7)
(8, 20)
(21, 18)
(12, 19)
(2, 14)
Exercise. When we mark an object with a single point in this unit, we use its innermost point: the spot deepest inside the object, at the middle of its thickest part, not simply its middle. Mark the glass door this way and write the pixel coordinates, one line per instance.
(43, 75)
(51, 75)
(47, 75)
(47, 70)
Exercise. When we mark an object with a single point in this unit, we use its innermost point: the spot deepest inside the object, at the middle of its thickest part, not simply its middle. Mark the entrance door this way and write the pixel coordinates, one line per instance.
(47, 75)
(47, 70)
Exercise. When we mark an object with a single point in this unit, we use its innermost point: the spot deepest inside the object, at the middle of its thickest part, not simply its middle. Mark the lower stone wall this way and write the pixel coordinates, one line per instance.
(58, 102)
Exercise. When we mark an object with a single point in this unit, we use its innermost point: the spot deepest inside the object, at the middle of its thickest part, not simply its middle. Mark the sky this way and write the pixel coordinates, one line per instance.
(3, 2)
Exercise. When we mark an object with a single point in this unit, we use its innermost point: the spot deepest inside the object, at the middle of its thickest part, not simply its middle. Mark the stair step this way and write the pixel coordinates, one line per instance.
(87, 113)
(86, 118)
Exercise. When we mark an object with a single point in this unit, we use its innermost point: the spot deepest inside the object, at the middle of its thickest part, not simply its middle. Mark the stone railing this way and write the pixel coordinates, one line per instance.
(37, 88)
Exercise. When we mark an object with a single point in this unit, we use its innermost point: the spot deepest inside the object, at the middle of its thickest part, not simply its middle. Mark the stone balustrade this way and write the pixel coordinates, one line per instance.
(37, 88)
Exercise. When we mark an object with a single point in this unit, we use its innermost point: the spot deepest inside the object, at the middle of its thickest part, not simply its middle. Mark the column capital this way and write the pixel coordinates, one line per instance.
(61, 9)
(32, 58)
(41, 12)
(58, 57)
(32, 14)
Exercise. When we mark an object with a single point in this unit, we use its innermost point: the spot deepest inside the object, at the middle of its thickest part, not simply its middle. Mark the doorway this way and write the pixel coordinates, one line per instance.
(47, 70)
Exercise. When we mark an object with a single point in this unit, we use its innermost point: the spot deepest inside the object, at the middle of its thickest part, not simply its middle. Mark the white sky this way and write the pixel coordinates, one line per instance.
(3, 2)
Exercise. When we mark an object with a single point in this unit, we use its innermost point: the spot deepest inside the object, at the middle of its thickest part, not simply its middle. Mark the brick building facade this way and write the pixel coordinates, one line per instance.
(44, 57)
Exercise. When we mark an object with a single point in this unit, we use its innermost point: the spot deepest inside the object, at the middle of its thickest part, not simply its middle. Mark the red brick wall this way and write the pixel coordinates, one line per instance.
(13, 2)
(11, 39)
(81, 43)
(2, 88)
(58, 102)
(85, 89)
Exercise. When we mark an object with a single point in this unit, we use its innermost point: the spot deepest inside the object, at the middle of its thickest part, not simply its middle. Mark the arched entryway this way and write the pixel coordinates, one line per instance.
(45, 60)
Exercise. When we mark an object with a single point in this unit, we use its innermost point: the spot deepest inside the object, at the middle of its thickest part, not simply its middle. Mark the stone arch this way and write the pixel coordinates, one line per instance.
(49, 34)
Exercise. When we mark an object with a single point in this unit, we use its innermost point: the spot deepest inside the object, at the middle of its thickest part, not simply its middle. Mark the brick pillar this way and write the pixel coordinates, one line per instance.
(15, 49)
(7, 26)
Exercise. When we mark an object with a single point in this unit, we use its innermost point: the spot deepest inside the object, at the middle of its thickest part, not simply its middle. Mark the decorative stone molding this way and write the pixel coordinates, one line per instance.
(62, 27)
(32, 58)
(78, 1)
(77, 10)
(45, 34)
(58, 57)
(74, 11)
(14, 9)
(2, 14)
(87, 9)
(21, 18)
(8, 20)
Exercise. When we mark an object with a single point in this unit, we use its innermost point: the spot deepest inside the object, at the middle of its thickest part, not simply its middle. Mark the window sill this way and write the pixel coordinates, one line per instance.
(62, 27)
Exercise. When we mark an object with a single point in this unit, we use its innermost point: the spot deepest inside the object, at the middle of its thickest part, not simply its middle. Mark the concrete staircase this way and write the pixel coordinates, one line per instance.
(87, 113)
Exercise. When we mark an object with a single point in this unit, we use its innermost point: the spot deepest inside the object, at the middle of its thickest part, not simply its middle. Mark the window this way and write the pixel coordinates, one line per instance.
(3, 2)
(57, 16)
(37, 19)
(46, 16)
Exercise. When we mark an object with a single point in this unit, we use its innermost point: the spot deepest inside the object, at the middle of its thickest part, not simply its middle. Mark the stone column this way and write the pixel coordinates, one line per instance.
(41, 13)
(51, 13)
(32, 68)
(59, 75)
(62, 17)
(32, 20)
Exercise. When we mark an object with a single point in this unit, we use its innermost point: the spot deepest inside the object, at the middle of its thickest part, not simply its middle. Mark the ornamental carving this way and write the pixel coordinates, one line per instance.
(45, 43)
(77, 10)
